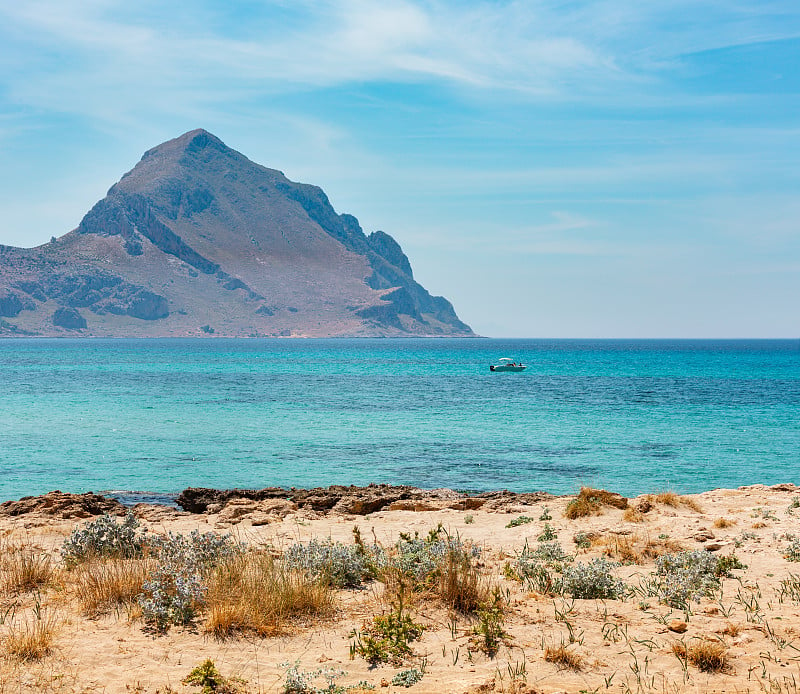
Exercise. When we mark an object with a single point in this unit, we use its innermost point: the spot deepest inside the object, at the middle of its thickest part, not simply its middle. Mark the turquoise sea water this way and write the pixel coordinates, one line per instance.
(162, 415)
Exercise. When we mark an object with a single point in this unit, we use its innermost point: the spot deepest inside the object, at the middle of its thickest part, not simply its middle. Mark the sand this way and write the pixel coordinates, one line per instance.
(623, 645)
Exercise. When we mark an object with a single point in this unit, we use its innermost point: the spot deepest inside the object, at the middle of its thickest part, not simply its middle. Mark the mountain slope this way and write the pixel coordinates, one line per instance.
(199, 240)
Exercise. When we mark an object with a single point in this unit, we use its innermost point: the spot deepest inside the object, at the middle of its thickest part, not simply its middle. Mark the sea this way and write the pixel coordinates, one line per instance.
(145, 418)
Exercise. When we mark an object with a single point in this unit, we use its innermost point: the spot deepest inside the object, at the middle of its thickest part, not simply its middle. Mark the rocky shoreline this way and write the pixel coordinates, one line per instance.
(336, 499)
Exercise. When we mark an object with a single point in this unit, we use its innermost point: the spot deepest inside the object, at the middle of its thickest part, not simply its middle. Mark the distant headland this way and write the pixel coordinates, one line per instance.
(197, 240)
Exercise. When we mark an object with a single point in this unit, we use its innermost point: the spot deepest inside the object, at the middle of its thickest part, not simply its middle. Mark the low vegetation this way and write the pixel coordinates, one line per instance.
(705, 655)
(252, 592)
(590, 502)
(563, 657)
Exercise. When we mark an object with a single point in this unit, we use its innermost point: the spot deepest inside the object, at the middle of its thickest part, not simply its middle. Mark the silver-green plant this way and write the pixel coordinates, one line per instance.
(342, 565)
(104, 537)
(592, 581)
(686, 577)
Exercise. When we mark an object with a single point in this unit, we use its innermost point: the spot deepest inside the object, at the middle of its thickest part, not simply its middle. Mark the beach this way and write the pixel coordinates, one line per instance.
(525, 631)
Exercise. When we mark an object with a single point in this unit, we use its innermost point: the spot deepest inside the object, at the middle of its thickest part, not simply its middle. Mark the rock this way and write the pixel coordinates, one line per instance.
(156, 513)
(715, 546)
(69, 318)
(60, 505)
(784, 487)
(678, 626)
(258, 512)
(644, 505)
(356, 501)
(11, 303)
(703, 535)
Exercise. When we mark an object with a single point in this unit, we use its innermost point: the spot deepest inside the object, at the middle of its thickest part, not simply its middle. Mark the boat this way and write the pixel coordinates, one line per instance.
(507, 364)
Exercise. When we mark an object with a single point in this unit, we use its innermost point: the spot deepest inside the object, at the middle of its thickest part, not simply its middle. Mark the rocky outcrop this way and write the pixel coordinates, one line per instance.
(12, 303)
(352, 500)
(69, 318)
(198, 235)
(60, 505)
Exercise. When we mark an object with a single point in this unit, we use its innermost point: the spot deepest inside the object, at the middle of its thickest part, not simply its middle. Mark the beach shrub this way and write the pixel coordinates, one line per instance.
(792, 551)
(211, 680)
(341, 565)
(519, 520)
(407, 678)
(539, 567)
(172, 594)
(421, 559)
(104, 537)
(582, 541)
(175, 590)
(298, 681)
(686, 577)
(593, 580)
(547, 534)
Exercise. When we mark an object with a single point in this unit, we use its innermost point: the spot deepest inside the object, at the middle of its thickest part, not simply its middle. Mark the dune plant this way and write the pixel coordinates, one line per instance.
(590, 502)
(592, 581)
(253, 592)
(102, 585)
(32, 637)
(341, 565)
(25, 568)
(686, 577)
(175, 589)
(386, 639)
(562, 657)
(104, 537)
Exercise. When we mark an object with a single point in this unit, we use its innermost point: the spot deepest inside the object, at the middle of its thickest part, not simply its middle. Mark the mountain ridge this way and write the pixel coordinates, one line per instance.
(198, 240)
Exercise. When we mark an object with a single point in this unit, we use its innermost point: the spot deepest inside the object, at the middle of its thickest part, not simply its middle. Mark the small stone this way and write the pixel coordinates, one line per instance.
(678, 626)
(702, 535)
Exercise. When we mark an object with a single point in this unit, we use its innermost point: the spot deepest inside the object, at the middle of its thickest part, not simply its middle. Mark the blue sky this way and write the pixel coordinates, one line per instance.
(609, 168)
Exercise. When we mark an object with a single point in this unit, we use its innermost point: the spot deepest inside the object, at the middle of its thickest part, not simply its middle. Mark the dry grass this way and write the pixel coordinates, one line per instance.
(633, 515)
(635, 549)
(670, 498)
(102, 586)
(25, 568)
(461, 586)
(732, 629)
(590, 502)
(622, 548)
(706, 656)
(31, 639)
(562, 657)
(724, 523)
(254, 593)
(654, 548)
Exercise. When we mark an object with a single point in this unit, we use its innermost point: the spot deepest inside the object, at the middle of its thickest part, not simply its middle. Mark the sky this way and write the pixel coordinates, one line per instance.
(595, 169)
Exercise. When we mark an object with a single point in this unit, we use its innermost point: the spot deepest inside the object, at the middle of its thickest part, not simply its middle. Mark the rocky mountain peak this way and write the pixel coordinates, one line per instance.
(198, 240)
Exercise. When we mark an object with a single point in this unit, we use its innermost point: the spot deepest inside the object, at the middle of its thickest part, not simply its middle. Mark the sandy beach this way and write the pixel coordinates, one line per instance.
(739, 631)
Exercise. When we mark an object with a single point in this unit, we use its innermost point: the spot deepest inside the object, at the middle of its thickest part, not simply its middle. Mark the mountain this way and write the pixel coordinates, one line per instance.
(198, 240)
